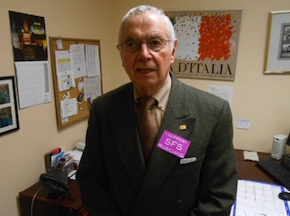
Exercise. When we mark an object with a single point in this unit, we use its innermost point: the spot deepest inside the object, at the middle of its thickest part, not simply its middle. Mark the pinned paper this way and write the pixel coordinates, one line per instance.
(80, 84)
(243, 123)
(66, 96)
(59, 44)
(224, 92)
(69, 108)
(78, 60)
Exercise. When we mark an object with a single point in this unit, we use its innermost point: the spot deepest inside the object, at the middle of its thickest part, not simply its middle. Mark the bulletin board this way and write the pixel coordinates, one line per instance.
(65, 97)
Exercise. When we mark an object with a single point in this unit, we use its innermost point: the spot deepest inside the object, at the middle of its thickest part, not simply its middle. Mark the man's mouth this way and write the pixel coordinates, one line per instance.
(145, 70)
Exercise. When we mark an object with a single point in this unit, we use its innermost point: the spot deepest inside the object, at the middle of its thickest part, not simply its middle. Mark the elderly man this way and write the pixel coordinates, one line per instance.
(155, 146)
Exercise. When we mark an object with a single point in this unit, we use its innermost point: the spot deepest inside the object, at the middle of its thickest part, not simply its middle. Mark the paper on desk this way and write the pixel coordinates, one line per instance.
(259, 198)
(72, 175)
(253, 156)
(77, 155)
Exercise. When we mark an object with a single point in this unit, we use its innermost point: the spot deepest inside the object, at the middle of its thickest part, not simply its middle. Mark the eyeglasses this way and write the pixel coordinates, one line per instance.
(133, 45)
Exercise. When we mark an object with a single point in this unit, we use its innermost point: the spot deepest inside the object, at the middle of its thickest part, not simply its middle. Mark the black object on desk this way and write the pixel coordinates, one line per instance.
(56, 181)
(47, 207)
(277, 171)
(284, 196)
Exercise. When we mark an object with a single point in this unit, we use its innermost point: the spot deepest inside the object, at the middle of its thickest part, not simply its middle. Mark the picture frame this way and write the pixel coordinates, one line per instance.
(278, 43)
(207, 43)
(8, 106)
(28, 34)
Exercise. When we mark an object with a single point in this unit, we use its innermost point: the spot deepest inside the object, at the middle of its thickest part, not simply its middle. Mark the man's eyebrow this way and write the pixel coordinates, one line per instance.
(155, 36)
(130, 38)
(149, 37)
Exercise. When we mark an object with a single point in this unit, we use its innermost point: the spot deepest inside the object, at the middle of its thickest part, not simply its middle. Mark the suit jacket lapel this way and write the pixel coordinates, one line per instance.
(162, 162)
(125, 129)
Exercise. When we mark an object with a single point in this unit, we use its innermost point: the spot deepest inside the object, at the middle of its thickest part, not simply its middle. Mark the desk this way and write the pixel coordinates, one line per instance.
(251, 171)
(47, 207)
(255, 198)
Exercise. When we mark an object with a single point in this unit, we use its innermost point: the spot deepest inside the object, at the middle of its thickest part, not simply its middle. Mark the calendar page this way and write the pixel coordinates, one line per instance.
(33, 82)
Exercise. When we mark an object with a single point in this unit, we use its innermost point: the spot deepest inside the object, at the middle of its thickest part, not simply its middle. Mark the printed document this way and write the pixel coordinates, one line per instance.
(93, 60)
(64, 70)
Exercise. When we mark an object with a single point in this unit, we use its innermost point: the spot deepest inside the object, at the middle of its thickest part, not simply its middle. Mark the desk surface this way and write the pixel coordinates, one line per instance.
(251, 171)
(247, 170)
(47, 207)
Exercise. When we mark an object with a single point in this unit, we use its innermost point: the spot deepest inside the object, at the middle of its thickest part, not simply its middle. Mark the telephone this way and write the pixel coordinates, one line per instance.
(56, 181)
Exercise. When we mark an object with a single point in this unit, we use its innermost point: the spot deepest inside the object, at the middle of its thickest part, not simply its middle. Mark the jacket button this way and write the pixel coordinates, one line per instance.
(179, 202)
(117, 190)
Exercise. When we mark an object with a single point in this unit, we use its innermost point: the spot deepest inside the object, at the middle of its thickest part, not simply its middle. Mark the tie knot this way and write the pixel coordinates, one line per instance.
(147, 102)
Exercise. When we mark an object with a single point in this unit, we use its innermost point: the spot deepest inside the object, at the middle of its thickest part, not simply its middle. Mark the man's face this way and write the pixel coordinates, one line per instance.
(147, 69)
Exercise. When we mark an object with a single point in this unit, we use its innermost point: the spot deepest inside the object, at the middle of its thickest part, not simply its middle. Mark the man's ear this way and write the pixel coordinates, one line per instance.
(119, 48)
(173, 53)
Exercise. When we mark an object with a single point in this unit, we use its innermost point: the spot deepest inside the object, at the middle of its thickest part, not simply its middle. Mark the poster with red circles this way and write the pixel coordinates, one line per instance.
(207, 43)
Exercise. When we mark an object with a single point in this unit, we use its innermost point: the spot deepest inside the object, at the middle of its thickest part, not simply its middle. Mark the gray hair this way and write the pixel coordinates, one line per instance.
(141, 10)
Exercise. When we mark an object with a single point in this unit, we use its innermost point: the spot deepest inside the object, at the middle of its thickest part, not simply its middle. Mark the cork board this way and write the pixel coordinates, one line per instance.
(74, 90)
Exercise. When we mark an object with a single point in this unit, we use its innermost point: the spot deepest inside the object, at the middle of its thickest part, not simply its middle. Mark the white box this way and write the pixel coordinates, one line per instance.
(279, 146)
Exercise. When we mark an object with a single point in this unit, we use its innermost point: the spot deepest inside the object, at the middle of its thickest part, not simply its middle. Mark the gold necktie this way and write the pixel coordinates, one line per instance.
(147, 125)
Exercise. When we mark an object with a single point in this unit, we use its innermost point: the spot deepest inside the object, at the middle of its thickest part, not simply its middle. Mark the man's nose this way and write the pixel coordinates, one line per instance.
(144, 52)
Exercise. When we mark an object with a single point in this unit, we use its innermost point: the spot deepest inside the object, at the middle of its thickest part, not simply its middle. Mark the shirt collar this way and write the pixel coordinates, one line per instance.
(162, 96)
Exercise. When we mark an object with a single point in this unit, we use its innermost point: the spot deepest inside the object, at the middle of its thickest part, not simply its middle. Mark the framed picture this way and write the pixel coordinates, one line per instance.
(278, 45)
(8, 106)
(207, 43)
(28, 34)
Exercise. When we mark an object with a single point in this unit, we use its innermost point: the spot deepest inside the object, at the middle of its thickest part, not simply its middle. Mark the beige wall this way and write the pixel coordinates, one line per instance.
(264, 99)
(22, 152)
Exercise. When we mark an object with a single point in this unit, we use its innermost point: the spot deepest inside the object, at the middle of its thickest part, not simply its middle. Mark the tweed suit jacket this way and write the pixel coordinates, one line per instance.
(112, 175)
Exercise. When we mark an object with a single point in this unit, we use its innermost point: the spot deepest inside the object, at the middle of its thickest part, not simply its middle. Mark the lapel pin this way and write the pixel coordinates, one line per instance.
(182, 127)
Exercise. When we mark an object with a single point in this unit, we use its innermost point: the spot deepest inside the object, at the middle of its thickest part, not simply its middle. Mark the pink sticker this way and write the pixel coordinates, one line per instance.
(173, 144)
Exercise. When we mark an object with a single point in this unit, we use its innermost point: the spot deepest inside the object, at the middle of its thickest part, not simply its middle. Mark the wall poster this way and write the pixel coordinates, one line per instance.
(208, 43)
